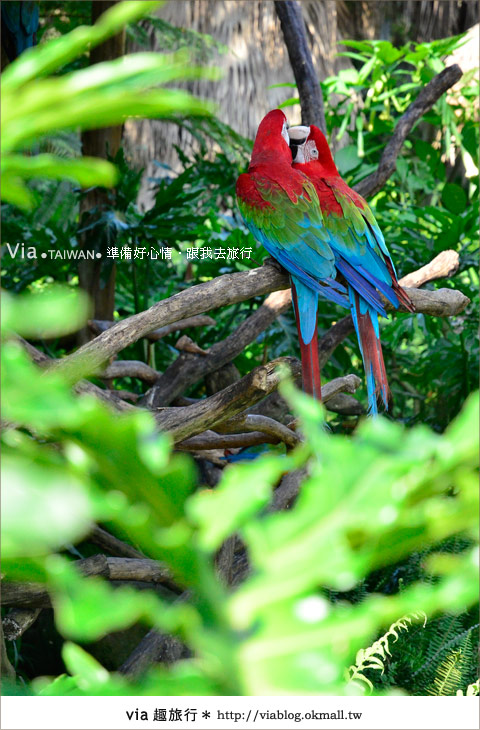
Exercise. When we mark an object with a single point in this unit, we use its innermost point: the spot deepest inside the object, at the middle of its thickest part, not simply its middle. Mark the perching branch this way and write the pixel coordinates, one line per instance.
(131, 369)
(154, 648)
(423, 103)
(219, 292)
(445, 303)
(248, 422)
(113, 545)
(293, 28)
(191, 420)
(222, 291)
(441, 267)
(212, 441)
(188, 369)
(200, 320)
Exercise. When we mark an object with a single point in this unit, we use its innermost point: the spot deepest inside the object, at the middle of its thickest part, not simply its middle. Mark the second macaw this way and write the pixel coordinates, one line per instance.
(316, 227)
(358, 245)
(281, 209)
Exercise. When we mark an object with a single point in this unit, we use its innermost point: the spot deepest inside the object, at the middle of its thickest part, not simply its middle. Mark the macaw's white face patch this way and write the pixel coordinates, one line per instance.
(310, 151)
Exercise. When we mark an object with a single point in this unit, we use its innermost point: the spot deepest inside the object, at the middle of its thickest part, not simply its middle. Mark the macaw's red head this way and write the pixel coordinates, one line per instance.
(272, 141)
(310, 147)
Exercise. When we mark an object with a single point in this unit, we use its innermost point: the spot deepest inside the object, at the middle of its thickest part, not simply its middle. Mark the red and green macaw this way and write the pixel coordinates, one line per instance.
(310, 221)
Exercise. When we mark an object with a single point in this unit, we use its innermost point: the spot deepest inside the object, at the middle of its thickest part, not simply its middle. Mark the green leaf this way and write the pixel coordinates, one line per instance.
(289, 102)
(347, 159)
(82, 665)
(45, 58)
(89, 608)
(242, 492)
(51, 312)
(43, 507)
(454, 198)
(86, 171)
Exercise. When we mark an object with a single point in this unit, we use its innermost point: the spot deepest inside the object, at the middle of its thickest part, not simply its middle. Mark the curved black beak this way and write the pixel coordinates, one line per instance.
(297, 136)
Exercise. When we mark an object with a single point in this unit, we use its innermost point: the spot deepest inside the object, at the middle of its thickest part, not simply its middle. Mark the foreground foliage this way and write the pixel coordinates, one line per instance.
(292, 626)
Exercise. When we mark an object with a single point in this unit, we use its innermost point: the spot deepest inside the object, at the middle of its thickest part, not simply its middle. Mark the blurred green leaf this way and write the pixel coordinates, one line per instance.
(43, 507)
(454, 198)
(347, 159)
(51, 312)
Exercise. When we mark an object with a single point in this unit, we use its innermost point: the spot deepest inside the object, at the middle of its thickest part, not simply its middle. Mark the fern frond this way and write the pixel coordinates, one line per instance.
(449, 676)
(440, 643)
(375, 656)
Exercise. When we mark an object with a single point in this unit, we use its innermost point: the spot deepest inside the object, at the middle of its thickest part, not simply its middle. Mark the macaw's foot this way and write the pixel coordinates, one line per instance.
(270, 261)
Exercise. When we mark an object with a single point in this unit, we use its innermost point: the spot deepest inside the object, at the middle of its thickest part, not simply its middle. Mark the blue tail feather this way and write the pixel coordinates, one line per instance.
(307, 309)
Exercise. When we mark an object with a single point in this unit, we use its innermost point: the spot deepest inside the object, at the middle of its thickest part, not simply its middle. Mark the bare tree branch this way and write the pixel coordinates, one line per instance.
(209, 441)
(219, 292)
(345, 405)
(442, 266)
(191, 420)
(222, 291)
(17, 621)
(264, 429)
(293, 28)
(6, 668)
(249, 422)
(113, 545)
(154, 648)
(287, 490)
(188, 369)
(131, 369)
(200, 320)
(114, 569)
(445, 303)
(423, 103)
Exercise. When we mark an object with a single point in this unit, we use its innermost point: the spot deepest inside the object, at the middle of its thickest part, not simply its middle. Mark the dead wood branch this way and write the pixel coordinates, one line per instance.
(210, 441)
(293, 28)
(264, 429)
(220, 292)
(191, 420)
(263, 424)
(131, 369)
(114, 569)
(17, 621)
(444, 303)
(112, 544)
(189, 369)
(186, 344)
(83, 387)
(154, 648)
(423, 103)
(6, 669)
(287, 490)
(442, 266)
(200, 320)
(224, 559)
(345, 405)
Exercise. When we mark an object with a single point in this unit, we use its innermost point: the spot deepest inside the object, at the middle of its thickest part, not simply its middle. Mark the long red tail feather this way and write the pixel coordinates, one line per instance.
(377, 383)
(309, 354)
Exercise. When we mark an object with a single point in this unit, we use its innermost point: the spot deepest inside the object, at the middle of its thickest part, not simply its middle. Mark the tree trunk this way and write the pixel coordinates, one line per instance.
(94, 276)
